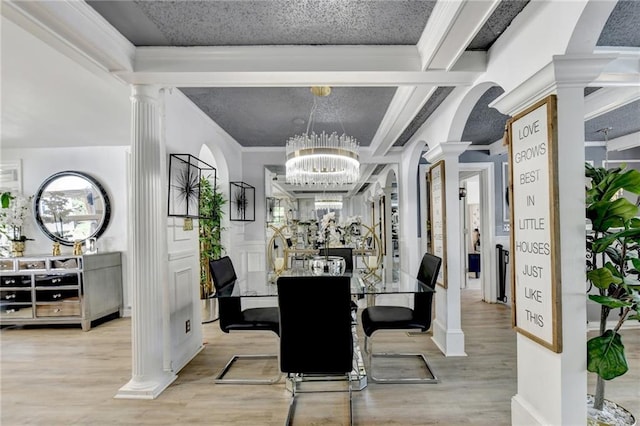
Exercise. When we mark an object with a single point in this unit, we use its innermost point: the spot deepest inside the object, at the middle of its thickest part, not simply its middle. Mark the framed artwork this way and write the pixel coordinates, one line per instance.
(438, 218)
(186, 173)
(11, 176)
(242, 205)
(535, 233)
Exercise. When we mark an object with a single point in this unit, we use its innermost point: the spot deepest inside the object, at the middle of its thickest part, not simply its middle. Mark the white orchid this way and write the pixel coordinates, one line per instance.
(13, 211)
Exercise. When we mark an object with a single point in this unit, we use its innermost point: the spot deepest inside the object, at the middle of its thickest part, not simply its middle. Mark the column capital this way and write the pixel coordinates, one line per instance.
(562, 71)
(446, 151)
(149, 92)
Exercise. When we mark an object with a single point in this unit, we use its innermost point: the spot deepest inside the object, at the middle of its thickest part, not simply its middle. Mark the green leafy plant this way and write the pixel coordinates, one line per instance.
(211, 212)
(613, 266)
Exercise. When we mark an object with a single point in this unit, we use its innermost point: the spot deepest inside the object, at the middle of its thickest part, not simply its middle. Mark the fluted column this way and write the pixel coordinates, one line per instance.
(147, 246)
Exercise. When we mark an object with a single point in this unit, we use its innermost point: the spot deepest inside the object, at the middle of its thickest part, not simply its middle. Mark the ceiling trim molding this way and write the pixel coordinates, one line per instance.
(277, 58)
(608, 99)
(404, 106)
(629, 141)
(456, 24)
(75, 29)
(263, 78)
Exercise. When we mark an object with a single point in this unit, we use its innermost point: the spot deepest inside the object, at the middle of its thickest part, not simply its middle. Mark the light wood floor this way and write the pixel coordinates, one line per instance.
(63, 376)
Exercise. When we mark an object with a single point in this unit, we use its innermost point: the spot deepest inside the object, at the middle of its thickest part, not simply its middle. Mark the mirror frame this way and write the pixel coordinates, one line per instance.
(36, 205)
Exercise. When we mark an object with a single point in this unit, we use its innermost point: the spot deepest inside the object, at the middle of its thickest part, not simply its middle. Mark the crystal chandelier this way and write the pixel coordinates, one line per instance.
(328, 202)
(322, 160)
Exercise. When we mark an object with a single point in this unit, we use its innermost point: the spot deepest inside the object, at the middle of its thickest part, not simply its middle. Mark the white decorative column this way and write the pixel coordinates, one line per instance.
(147, 247)
(447, 326)
(552, 387)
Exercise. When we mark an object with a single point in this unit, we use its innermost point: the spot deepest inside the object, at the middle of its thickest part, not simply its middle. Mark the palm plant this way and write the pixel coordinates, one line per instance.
(613, 266)
(211, 212)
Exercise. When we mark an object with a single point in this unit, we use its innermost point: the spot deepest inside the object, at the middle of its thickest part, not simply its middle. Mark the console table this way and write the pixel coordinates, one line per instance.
(60, 289)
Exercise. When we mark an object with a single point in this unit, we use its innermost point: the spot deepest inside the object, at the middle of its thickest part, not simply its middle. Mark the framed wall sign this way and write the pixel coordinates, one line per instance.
(533, 195)
(438, 218)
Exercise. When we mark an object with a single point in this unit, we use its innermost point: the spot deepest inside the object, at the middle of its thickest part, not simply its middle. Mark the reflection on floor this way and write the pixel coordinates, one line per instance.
(63, 376)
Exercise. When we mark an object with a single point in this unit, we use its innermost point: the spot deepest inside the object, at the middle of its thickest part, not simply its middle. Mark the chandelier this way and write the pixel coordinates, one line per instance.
(328, 202)
(322, 160)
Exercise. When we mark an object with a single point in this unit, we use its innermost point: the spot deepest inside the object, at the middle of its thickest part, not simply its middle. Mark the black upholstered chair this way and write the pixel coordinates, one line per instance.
(347, 254)
(376, 318)
(233, 318)
(316, 339)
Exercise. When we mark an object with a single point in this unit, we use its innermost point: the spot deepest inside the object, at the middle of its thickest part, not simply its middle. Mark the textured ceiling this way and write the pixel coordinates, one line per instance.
(623, 121)
(268, 22)
(499, 20)
(623, 26)
(268, 116)
(485, 125)
(438, 96)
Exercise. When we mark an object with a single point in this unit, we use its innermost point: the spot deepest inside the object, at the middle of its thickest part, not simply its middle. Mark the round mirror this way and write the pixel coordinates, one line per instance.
(72, 206)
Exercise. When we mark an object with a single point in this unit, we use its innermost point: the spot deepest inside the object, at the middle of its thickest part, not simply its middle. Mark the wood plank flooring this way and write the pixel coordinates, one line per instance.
(63, 376)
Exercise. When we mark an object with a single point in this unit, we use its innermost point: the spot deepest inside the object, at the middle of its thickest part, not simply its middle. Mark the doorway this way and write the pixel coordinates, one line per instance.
(471, 230)
(482, 216)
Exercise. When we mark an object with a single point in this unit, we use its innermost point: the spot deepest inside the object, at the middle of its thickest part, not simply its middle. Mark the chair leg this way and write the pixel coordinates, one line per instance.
(293, 380)
(220, 377)
(368, 347)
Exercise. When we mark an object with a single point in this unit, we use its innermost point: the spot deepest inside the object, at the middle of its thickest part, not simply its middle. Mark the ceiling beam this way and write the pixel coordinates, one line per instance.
(608, 99)
(451, 27)
(75, 29)
(257, 78)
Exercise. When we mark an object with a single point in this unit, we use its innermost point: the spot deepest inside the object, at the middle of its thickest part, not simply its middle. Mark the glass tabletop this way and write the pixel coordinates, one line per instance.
(263, 284)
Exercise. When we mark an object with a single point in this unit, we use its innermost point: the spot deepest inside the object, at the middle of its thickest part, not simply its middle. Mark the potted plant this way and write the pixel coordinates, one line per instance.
(211, 211)
(13, 211)
(613, 266)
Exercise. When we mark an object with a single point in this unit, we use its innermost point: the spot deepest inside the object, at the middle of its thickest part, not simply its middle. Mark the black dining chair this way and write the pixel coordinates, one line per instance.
(347, 254)
(375, 318)
(233, 318)
(316, 338)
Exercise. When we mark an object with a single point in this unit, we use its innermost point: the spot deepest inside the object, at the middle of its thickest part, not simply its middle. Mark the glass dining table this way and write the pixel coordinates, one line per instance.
(260, 284)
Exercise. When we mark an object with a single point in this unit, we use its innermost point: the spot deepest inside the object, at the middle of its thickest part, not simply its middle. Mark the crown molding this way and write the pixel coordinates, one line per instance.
(75, 29)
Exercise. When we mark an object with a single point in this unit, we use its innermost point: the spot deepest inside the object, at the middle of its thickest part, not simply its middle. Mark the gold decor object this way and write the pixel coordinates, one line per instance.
(56, 249)
(321, 91)
(17, 248)
(77, 248)
(322, 160)
(187, 225)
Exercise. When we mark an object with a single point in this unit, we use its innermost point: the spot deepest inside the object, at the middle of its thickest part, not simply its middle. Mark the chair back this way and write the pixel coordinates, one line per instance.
(422, 302)
(224, 277)
(344, 252)
(222, 272)
(315, 324)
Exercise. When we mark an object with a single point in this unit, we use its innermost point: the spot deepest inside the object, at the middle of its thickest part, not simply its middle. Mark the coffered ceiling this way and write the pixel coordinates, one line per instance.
(391, 64)
(268, 116)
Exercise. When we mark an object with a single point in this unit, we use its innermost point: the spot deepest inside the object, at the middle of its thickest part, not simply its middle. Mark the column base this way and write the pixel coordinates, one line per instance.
(450, 342)
(522, 413)
(147, 389)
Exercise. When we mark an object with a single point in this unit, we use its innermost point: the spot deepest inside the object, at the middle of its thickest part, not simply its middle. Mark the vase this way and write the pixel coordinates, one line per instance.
(17, 248)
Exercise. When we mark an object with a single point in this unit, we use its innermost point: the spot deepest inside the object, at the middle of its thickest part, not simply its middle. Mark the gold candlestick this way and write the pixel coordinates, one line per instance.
(56, 249)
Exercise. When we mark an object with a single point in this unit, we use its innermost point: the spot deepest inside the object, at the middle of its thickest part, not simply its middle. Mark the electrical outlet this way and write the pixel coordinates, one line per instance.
(187, 326)
(506, 227)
